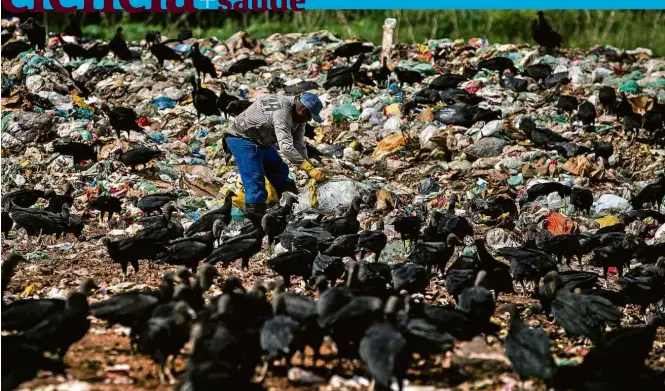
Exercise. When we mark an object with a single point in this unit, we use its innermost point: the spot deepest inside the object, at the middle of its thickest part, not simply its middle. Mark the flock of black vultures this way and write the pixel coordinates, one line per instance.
(371, 310)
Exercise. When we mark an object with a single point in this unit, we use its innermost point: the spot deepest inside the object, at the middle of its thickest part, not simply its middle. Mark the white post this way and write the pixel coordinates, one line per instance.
(387, 44)
(46, 27)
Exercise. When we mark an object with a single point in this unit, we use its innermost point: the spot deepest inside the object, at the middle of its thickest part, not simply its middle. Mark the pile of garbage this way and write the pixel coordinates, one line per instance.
(380, 140)
(399, 144)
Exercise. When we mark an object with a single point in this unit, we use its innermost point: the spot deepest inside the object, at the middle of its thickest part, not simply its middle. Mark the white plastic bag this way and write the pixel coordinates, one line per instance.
(331, 194)
(391, 126)
(425, 136)
(491, 128)
(611, 201)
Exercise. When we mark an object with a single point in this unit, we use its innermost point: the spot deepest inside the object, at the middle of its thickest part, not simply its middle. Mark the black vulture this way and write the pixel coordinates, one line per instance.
(155, 201)
(408, 76)
(498, 64)
(78, 151)
(581, 199)
(56, 332)
(527, 264)
(587, 114)
(528, 349)
(205, 222)
(138, 156)
(27, 360)
(644, 284)
(133, 309)
(539, 72)
(652, 193)
(130, 251)
(580, 314)
(37, 222)
(347, 224)
(352, 49)
(187, 251)
(224, 100)
(35, 31)
(543, 34)
(24, 198)
(205, 100)
(372, 241)
(164, 336)
(119, 47)
(385, 351)
(56, 201)
(246, 65)
(106, 204)
(236, 107)
(243, 246)
(13, 49)
(202, 64)
(297, 262)
(275, 220)
(607, 96)
(73, 50)
(122, 118)
(382, 75)
(444, 82)
(163, 53)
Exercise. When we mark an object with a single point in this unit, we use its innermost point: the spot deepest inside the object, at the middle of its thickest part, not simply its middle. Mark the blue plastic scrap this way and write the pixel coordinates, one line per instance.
(158, 138)
(164, 102)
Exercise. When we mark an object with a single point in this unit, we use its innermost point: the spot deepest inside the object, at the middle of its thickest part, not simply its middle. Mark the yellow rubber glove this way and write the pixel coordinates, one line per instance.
(313, 172)
(313, 193)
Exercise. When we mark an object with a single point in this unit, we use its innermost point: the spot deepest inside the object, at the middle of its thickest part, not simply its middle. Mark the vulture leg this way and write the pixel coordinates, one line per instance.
(123, 266)
(523, 287)
(170, 360)
(135, 266)
(159, 358)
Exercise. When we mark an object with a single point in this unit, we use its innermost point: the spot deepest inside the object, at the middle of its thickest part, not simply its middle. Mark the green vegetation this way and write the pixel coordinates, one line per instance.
(582, 29)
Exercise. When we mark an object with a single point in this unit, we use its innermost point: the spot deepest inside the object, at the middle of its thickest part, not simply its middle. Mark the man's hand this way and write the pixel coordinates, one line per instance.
(313, 172)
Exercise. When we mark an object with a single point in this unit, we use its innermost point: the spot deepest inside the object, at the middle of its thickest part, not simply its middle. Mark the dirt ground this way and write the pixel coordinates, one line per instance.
(103, 360)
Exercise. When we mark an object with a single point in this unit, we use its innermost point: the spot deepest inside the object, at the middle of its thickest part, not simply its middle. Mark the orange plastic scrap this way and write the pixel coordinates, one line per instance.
(388, 145)
(424, 57)
(559, 224)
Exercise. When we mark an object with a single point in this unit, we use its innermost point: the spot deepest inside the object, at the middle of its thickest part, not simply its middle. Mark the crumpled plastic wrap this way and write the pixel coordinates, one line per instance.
(332, 194)
(21, 128)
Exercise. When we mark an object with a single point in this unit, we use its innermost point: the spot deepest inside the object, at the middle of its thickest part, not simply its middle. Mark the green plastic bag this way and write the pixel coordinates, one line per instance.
(660, 84)
(629, 86)
(147, 186)
(357, 94)
(603, 128)
(516, 180)
(346, 111)
(425, 69)
(635, 75)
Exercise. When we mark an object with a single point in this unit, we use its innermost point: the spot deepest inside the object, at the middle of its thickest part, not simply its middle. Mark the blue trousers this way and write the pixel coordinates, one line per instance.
(255, 163)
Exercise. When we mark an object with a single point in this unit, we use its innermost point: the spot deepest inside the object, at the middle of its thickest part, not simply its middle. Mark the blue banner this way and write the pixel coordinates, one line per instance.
(247, 5)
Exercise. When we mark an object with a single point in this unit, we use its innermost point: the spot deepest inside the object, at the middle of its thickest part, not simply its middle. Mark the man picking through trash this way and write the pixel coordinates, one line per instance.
(273, 119)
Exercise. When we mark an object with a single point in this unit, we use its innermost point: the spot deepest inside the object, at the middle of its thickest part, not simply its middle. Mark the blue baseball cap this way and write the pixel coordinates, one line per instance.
(313, 104)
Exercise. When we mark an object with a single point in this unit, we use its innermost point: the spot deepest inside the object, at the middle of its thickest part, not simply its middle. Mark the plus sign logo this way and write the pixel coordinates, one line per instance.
(207, 4)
